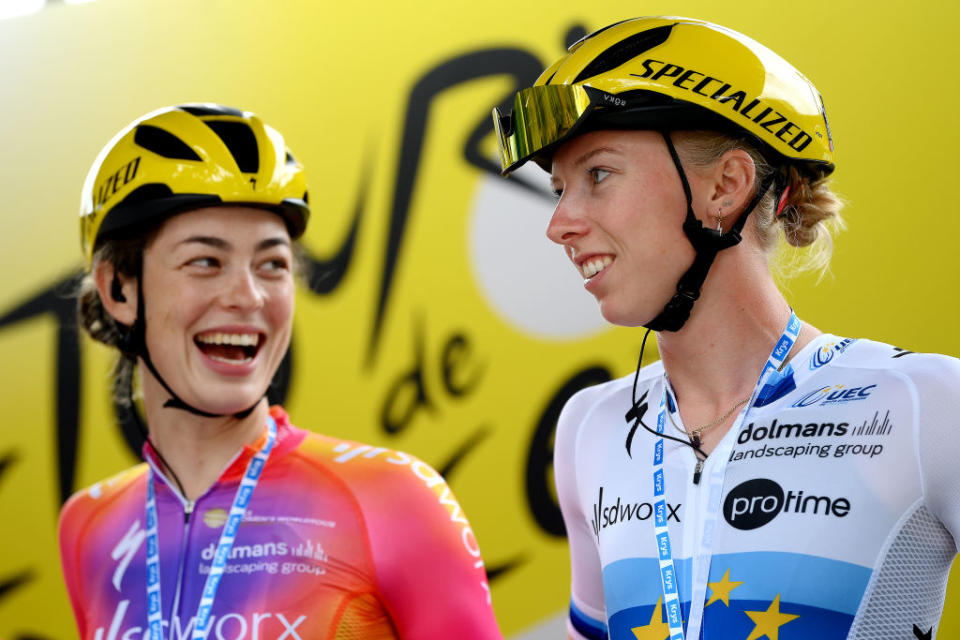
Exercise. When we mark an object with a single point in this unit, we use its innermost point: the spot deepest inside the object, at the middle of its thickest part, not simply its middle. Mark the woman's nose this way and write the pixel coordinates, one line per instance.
(567, 222)
(243, 291)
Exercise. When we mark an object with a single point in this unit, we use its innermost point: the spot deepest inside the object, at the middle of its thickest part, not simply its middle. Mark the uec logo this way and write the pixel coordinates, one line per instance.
(834, 394)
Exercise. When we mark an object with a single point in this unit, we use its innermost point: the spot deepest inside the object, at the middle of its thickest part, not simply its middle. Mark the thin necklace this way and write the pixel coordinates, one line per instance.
(696, 433)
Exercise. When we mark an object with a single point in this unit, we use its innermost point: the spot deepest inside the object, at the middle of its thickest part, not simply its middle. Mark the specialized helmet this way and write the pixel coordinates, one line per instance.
(668, 73)
(186, 157)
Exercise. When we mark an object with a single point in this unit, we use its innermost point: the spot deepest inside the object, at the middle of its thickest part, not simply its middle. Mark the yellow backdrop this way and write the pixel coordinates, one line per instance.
(446, 325)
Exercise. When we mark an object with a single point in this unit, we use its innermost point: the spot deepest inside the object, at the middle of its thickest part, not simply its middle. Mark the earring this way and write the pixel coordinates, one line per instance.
(720, 220)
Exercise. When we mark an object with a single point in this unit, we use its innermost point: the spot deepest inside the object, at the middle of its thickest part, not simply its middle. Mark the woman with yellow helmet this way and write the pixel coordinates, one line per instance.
(238, 524)
(764, 479)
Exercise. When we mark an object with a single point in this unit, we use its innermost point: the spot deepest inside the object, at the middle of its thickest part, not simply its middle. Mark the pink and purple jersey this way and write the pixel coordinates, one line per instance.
(340, 541)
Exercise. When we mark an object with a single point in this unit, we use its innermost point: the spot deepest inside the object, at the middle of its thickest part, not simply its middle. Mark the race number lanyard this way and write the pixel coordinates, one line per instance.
(227, 536)
(668, 572)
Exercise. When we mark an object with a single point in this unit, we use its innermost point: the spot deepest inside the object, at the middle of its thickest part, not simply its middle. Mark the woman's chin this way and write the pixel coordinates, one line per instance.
(622, 317)
(226, 404)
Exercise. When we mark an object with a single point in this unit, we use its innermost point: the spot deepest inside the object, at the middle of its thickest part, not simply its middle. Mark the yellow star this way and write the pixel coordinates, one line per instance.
(768, 622)
(654, 630)
(721, 590)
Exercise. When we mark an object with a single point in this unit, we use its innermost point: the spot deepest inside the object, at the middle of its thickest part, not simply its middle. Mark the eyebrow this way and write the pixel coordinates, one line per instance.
(220, 243)
(584, 158)
(593, 152)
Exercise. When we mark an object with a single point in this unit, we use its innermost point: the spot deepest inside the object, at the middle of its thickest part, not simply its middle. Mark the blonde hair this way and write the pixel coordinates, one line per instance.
(811, 214)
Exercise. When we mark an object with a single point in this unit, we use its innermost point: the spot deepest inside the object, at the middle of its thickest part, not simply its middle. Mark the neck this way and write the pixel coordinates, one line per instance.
(196, 450)
(715, 360)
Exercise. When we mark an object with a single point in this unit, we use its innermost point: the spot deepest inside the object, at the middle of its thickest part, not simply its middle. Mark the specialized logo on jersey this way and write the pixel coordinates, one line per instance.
(624, 511)
(835, 394)
(754, 503)
(125, 550)
(828, 351)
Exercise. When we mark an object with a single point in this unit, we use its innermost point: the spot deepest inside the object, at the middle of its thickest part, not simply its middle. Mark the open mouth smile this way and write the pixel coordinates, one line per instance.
(229, 348)
(592, 266)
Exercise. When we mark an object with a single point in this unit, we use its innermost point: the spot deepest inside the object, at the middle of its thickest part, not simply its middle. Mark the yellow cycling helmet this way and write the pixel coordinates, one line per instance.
(668, 73)
(185, 157)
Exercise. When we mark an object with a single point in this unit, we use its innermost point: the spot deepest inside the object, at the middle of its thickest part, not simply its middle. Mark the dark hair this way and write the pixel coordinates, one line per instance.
(125, 253)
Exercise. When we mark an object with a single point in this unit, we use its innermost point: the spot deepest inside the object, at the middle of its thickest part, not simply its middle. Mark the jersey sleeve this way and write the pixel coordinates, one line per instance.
(586, 616)
(69, 530)
(428, 564)
(937, 383)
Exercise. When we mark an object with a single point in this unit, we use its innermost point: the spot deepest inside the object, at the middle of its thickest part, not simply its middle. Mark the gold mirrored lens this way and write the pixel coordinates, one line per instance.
(541, 116)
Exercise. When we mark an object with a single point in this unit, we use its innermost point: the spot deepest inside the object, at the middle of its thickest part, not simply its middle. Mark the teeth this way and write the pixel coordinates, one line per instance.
(235, 339)
(229, 361)
(594, 266)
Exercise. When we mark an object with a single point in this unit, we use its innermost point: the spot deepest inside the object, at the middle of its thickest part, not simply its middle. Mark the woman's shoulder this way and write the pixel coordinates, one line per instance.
(871, 354)
(357, 465)
(104, 495)
(614, 394)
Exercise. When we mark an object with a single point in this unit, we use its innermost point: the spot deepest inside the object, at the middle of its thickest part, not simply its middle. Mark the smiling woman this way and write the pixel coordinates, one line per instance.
(680, 152)
(188, 220)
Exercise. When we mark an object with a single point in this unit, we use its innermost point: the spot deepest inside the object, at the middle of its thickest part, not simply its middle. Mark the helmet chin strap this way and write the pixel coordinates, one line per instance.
(133, 341)
(707, 243)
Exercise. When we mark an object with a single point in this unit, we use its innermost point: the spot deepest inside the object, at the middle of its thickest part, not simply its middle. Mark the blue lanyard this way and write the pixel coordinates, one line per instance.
(668, 572)
(227, 537)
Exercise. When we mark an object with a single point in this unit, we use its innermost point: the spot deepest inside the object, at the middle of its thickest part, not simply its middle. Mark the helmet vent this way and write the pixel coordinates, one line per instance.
(211, 110)
(289, 159)
(163, 143)
(147, 193)
(625, 50)
(240, 141)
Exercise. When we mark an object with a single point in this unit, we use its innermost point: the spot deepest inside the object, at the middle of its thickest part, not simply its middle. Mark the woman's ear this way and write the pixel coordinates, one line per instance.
(734, 176)
(118, 292)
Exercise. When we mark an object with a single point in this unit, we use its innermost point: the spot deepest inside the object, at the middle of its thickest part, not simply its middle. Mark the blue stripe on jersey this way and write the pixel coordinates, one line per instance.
(808, 581)
(635, 582)
(722, 622)
(587, 626)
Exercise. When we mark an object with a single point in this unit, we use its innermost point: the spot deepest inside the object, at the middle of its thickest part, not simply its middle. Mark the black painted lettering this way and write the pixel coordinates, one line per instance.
(703, 83)
(687, 76)
(772, 121)
(668, 70)
(647, 68)
(763, 114)
(840, 507)
(408, 393)
(800, 142)
(673, 508)
(453, 361)
(719, 92)
(785, 130)
(747, 109)
(131, 171)
(737, 97)
(541, 496)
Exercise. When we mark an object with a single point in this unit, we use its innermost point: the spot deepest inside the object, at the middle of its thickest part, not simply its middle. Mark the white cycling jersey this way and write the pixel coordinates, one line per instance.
(839, 511)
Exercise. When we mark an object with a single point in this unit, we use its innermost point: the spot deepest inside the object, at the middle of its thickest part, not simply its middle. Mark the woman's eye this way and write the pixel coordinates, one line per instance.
(275, 264)
(598, 175)
(206, 262)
